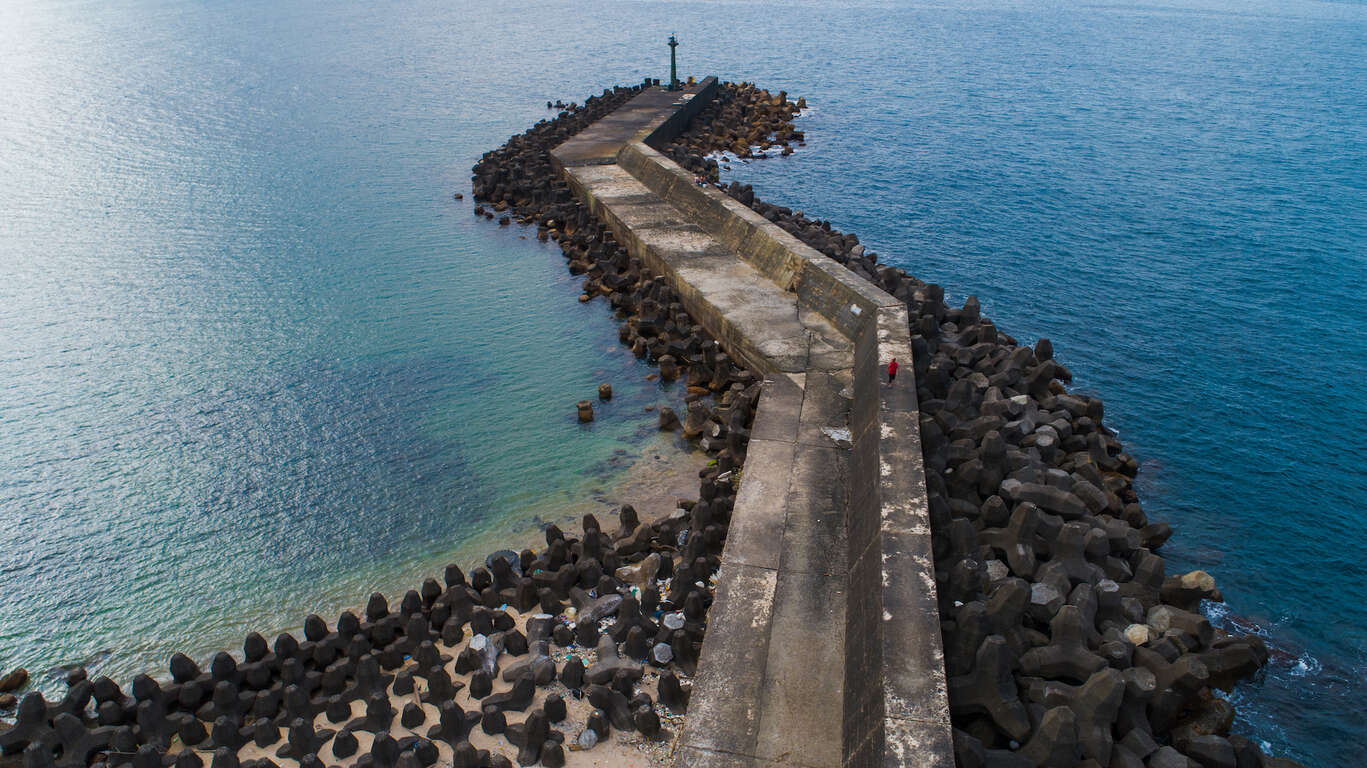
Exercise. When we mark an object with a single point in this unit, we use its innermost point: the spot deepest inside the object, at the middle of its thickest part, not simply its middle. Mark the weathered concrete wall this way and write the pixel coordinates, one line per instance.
(677, 121)
(752, 317)
(891, 701)
(820, 283)
(896, 704)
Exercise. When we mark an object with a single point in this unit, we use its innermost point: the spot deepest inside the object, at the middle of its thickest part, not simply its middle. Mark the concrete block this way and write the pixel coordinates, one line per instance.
(723, 714)
(780, 407)
(825, 419)
(802, 698)
(756, 534)
(813, 536)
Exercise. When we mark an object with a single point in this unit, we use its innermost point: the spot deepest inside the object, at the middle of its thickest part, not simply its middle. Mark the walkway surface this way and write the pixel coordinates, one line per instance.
(769, 689)
(599, 143)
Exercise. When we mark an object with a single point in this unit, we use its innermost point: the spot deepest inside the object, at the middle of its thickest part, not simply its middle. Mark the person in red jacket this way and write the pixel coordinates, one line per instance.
(892, 370)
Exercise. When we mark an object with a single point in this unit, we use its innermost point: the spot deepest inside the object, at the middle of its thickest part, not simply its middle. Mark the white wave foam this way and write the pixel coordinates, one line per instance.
(1306, 665)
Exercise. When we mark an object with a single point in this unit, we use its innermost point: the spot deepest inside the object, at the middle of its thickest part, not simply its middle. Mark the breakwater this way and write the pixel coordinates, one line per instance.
(823, 575)
(1031, 629)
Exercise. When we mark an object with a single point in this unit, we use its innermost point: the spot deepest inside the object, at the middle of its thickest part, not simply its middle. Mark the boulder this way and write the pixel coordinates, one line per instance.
(13, 680)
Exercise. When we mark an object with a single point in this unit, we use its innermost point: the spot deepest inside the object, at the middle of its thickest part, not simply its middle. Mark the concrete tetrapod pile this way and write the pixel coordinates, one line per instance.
(393, 688)
(515, 176)
(739, 120)
(1066, 641)
(587, 626)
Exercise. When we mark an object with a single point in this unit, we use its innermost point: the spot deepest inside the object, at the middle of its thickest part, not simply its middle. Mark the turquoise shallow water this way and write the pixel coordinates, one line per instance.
(255, 361)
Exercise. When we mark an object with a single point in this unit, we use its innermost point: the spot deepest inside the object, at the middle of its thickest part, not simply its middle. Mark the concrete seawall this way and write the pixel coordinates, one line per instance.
(824, 642)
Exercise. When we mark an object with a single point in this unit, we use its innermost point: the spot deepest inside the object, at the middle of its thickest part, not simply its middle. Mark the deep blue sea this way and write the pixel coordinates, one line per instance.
(255, 361)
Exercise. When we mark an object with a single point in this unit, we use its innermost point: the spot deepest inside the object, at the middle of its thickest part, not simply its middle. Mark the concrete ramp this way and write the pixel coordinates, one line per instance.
(823, 643)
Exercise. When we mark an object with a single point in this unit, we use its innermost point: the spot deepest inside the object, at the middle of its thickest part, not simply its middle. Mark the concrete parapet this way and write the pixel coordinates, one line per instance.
(820, 283)
(677, 121)
(756, 321)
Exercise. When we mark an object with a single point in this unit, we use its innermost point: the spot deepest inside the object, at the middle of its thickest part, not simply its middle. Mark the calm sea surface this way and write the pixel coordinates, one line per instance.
(256, 362)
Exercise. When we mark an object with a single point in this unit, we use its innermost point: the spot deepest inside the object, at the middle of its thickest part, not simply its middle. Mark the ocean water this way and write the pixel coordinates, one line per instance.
(256, 362)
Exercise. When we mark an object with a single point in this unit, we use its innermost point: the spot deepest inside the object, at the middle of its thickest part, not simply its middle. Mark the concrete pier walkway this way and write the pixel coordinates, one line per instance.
(805, 565)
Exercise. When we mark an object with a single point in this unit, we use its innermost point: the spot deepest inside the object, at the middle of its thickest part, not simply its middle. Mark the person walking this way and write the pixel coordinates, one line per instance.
(892, 371)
